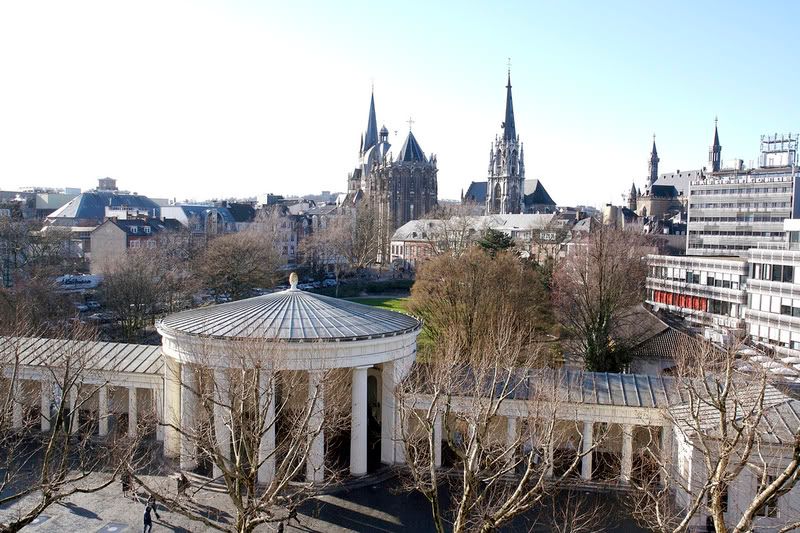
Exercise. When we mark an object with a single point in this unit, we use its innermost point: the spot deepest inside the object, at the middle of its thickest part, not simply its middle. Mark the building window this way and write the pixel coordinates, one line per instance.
(770, 507)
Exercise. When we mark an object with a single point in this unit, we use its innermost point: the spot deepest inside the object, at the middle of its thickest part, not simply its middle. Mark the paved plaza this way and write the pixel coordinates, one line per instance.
(372, 508)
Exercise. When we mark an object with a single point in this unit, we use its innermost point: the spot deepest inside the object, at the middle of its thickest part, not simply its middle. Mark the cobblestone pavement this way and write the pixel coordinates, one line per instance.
(372, 508)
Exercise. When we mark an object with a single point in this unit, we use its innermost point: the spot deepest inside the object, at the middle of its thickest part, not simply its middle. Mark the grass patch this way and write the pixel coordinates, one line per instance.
(399, 305)
(393, 304)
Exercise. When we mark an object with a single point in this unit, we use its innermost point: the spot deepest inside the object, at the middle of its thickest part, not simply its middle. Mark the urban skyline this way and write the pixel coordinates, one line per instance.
(181, 99)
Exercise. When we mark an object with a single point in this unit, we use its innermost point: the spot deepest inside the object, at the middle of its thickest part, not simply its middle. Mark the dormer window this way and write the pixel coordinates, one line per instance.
(134, 229)
(146, 229)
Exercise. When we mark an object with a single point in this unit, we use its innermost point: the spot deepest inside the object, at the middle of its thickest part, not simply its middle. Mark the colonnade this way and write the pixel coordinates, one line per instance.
(103, 411)
(587, 442)
(181, 409)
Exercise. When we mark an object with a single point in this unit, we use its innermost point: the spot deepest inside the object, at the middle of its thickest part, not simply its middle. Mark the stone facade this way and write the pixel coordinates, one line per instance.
(398, 189)
(505, 189)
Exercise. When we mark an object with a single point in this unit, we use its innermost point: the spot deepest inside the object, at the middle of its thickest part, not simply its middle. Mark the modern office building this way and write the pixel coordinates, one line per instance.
(732, 210)
(707, 291)
(773, 293)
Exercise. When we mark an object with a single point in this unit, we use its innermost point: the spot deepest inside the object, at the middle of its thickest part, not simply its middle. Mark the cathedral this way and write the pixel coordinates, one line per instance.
(398, 189)
(506, 190)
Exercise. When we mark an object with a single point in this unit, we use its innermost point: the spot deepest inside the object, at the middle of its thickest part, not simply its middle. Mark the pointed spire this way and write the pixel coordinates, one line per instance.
(371, 135)
(509, 129)
(654, 152)
(716, 134)
(715, 152)
(633, 190)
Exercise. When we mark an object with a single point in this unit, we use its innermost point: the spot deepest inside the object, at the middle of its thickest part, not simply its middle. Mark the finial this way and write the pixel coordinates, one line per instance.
(654, 137)
(372, 85)
(410, 122)
(715, 121)
(293, 281)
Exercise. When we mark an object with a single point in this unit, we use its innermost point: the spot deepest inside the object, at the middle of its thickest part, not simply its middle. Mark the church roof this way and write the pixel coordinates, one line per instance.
(509, 128)
(476, 192)
(371, 135)
(291, 315)
(664, 191)
(535, 193)
(411, 150)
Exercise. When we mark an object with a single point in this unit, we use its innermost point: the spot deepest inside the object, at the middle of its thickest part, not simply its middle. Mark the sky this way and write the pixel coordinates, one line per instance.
(200, 100)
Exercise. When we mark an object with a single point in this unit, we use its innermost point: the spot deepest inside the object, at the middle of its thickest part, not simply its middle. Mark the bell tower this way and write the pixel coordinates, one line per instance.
(505, 187)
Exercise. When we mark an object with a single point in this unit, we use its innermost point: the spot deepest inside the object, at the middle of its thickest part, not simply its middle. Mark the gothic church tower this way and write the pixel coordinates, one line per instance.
(652, 168)
(505, 188)
(715, 152)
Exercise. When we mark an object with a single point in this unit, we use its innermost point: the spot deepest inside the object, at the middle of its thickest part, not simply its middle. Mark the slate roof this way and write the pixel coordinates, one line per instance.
(411, 150)
(476, 192)
(661, 345)
(94, 355)
(663, 191)
(291, 315)
(91, 207)
(535, 193)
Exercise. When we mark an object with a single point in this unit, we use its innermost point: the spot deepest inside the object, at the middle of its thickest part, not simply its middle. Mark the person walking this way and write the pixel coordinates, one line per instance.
(125, 478)
(148, 520)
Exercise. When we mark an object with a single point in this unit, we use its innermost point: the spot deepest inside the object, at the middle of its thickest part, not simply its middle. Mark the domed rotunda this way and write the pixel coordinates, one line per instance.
(303, 333)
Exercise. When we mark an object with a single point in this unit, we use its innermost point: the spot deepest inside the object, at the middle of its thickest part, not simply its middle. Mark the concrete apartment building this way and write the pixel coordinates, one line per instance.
(732, 210)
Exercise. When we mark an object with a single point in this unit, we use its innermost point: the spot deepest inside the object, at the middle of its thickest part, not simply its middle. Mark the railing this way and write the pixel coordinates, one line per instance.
(779, 246)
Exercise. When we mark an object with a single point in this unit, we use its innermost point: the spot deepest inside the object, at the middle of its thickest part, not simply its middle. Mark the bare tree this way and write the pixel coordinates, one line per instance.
(326, 249)
(497, 414)
(47, 458)
(131, 290)
(236, 263)
(450, 229)
(239, 410)
(736, 449)
(597, 289)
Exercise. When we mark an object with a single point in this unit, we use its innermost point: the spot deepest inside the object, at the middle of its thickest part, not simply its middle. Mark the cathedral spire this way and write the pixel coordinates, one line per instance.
(715, 152)
(653, 165)
(371, 135)
(509, 129)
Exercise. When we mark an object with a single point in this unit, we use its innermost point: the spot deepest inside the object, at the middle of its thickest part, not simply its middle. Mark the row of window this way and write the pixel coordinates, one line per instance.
(693, 245)
(743, 190)
(782, 273)
(739, 218)
(711, 279)
(738, 205)
(739, 233)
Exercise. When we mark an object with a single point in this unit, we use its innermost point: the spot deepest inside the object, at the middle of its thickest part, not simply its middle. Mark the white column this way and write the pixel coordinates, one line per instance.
(387, 412)
(188, 406)
(586, 461)
(666, 454)
(16, 404)
(172, 407)
(102, 410)
(47, 398)
(222, 417)
(627, 453)
(266, 448)
(511, 438)
(133, 412)
(315, 463)
(74, 417)
(401, 369)
(358, 423)
(158, 404)
(437, 439)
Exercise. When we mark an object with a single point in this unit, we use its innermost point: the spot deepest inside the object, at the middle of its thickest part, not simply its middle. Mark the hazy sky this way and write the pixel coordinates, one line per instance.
(220, 99)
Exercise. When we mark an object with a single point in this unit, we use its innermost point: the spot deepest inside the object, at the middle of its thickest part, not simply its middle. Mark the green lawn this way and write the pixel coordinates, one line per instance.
(393, 304)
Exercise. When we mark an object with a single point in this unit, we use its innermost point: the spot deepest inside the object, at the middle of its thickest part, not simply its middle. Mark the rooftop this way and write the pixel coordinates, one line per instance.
(292, 315)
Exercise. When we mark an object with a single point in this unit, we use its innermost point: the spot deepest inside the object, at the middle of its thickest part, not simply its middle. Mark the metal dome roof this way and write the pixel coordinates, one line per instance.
(291, 315)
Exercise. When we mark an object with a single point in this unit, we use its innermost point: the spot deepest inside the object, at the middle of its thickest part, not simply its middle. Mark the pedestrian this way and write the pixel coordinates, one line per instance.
(280, 527)
(293, 516)
(183, 484)
(150, 508)
(125, 478)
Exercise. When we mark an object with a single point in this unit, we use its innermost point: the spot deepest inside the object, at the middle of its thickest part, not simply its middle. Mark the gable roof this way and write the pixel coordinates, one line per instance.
(476, 192)
(535, 193)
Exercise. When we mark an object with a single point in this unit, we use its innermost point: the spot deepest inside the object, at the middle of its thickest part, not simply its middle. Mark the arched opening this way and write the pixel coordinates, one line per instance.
(496, 198)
